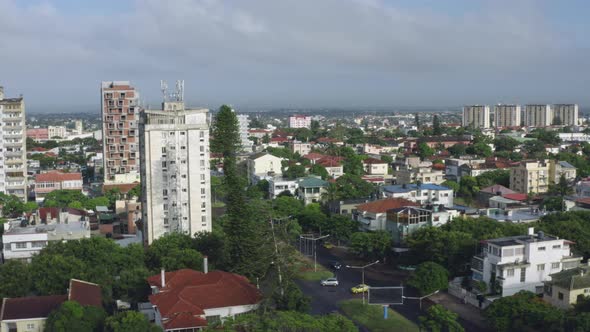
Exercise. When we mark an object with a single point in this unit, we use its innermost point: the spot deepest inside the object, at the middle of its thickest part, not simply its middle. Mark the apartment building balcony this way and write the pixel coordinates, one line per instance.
(12, 119)
(13, 161)
(16, 179)
(15, 185)
(13, 144)
(12, 110)
(12, 127)
(13, 135)
(13, 153)
(477, 263)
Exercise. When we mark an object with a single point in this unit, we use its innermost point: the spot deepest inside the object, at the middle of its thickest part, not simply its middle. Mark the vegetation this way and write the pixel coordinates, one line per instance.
(12, 206)
(371, 317)
(72, 317)
(370, 245)
(429, 277)
(130, 321)
(440, 319)
(288, 321)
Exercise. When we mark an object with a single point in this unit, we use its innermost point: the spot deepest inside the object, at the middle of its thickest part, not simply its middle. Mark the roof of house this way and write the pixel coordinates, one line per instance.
(373, 161)
(85, 293)
(329, 162)
(314, 156)
(262, 154)
(383, 205)
(404, 188)
(497, 188)
(311, 181)
(516, 196)
(576, 278)
(187, 293)
(56, 176)
(124, 188)
(503, 200)
(30, 307)
(565, 164)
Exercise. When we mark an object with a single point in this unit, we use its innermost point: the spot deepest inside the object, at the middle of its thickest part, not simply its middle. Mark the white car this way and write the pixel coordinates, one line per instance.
(329, 282)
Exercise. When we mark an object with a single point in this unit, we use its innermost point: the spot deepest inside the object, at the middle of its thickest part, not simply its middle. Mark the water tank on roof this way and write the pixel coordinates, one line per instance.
(541, 235)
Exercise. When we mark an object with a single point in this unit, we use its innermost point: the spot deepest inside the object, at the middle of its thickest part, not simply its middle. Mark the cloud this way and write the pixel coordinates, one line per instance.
(257, 51)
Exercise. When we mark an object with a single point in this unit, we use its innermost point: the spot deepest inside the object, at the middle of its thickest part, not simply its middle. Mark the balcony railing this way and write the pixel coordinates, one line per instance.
(477, 263)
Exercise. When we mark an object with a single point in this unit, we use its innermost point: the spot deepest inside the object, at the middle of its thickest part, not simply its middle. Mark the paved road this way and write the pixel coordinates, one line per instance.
(324, 300)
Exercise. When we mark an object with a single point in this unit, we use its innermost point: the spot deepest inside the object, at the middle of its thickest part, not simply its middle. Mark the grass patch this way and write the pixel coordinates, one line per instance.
(304, 269)
(371, 317)
(218, 204)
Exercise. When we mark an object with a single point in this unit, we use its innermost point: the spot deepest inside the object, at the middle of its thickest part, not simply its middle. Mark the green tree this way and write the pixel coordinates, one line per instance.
(523, 311)
(429, 277)
(312, 218)
(468, 186)
(341, 227)
(505, 143)
(320, 171)
(352, 186)
(51, 274)
(71, 316)
(437, 129)
(561, 188)
(457, 150)
(285, 206)
(417, 121)
(451, 184)
(439, 319)
(294, 172)
(135, 192)
(173, 252)
(289, 321)
(425, 151)
(293, 299)
(480, 149)
(215, 246)
(12, 206)
(63, 198)
(130, 321)
(16, 279)
(131, 284)
(361, 244)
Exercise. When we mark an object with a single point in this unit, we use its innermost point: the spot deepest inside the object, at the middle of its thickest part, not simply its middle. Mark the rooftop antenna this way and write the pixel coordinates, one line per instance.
(179, 93)
(164, 89)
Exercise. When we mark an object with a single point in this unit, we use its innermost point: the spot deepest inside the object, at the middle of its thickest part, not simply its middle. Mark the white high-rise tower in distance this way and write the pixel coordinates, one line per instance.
(476, 116)
(565, 114)
(507, 116)
(537, 115)
(175, 177)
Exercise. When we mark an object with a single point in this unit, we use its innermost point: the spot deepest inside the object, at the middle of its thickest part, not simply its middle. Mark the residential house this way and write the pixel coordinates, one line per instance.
(302, 148)
(347, 207)
(437, 142)
(566, 287)
(536, 175)
(516, 263)
(30, 313)
(189, 300)
(259, 133)
(582, 188)
(55, 180)
(475, 169)
(311, 189)
(277, 185)
(333, 166)
(403, 221)
(314, 157)
(421, 194)
(374, 166)
(499, 202)
(372, 216)
(419, 174)
(264, 166)
(484, 195)
(129, 211)
(514, 212)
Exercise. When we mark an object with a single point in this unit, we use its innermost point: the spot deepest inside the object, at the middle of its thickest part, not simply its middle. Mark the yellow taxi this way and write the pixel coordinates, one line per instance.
(359, 289)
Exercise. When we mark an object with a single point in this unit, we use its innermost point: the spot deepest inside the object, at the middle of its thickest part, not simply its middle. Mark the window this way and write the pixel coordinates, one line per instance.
(510, 272)
(202, 191)
(557, 246)
(30, 326)
(541, 248)
(587, 290)
(202, 177)
(555, 266)
(38, 244)
(540, 267)
(560, 295)
(522, 274)
(204, 219)
(21, 245)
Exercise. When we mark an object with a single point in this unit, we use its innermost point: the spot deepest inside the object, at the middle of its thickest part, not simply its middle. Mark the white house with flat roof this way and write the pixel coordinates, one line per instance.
(423, 194)
(522, 262)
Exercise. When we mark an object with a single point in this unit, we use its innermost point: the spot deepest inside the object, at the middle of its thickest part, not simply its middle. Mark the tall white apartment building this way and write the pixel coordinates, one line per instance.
(13, 154)
(175, 176)
(244, 123)
(565, 114)
(299, 121)
(507, 116)
(477, 116)
(538, 115)
(79, 127)
(523, 262)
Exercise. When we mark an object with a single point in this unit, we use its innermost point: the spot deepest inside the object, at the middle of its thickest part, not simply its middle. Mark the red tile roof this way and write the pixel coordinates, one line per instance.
(123, 187)
(381, 206)
(85, 293)
(494, 189)
(585, 200)
(329, 162)
(44, 211)
(55, 176)
(314, 156)
(516, 196)
(30, 307)
(188, 293)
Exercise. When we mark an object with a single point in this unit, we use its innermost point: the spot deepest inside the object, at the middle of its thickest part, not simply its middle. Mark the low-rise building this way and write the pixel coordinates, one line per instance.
(333, 166)
(55, 180)
(278, 185)
(536, 175)
(30, 313)
(189, 300)
(374, 166)
(311, 189)
(421, 194)
(22, 241)
(348, 206)
(419, 174)
(403, 221)
(516, 263)
(372, 216)
(566, 287)
(38, 134)
(302, 148)
(264, 166)
(484, 194)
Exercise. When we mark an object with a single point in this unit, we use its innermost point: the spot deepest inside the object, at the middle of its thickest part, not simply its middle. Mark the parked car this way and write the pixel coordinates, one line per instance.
(328, 245)
(359, 289)
(329, 282)
(336, 265)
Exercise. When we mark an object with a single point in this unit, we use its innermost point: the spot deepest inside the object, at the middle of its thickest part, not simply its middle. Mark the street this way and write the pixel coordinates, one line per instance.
(325, 299)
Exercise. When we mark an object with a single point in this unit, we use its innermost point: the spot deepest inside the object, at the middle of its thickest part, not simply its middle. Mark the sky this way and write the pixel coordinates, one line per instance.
(259, 54)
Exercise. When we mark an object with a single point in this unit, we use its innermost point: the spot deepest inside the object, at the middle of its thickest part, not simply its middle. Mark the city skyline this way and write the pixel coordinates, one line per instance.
(299, 54)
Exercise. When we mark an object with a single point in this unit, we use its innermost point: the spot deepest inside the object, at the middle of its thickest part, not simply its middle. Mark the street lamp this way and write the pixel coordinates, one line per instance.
(363, 273)
(315, 249)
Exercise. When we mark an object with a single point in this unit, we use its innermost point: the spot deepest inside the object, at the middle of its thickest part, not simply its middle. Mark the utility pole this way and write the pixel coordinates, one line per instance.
(272, 227)
(315, 249)
(363, 273)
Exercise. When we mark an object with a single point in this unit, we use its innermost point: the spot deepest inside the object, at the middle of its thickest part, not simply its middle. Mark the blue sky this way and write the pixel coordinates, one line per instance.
(303, 53)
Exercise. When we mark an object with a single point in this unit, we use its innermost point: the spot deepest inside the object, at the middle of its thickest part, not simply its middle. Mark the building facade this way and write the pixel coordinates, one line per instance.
(55, 180)
(565, 287)
(176, 194)
(512, 264)
(565, 114)
(57, 132)
(476, 116)
(422, 194)
(264, 166)
(539, 115)
(535, 176)
(244, 124)
(13, 147)
(299, 121)
(507, 116)
(120, 116)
